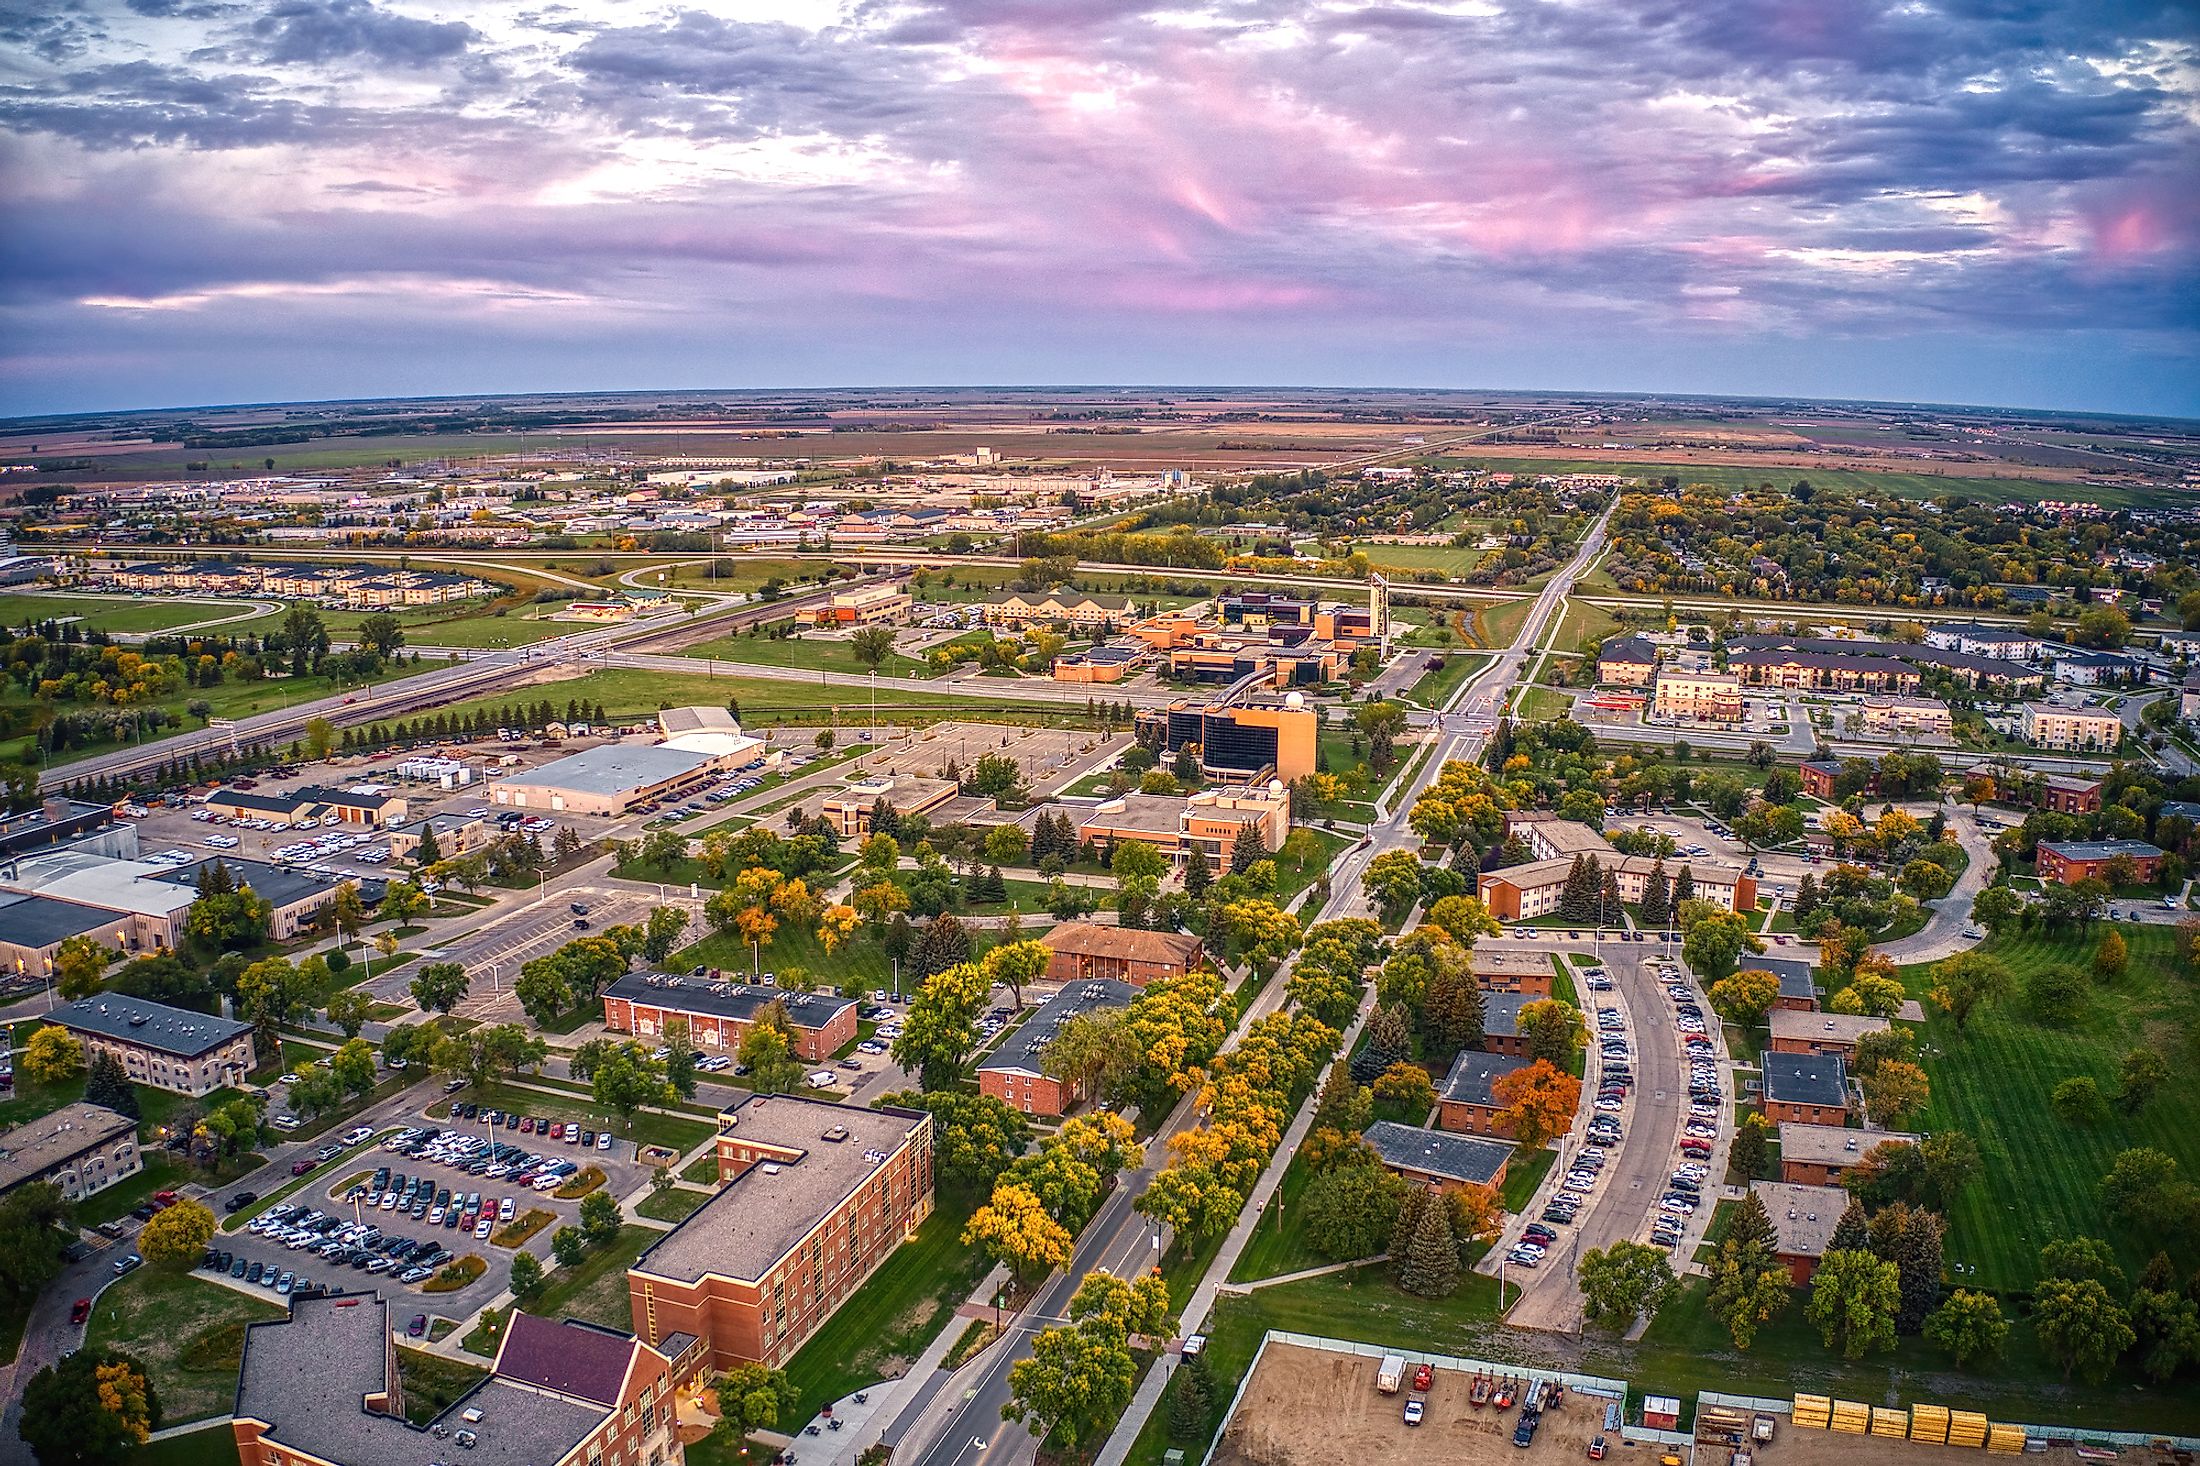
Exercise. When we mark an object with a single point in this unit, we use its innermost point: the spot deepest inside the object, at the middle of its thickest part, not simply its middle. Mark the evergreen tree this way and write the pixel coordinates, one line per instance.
(1573, 897)
(1852, 1233)
(1431, 1267)
(1609, 911)
(1684, 888)
(1806, 898)
(106, 1084)
(1917, 1253)
(1752, 1224)
(1657, 895)
(1411, 1202)
(1197, 876)
(1388, 1042)
(430, 852)
(1247, 849)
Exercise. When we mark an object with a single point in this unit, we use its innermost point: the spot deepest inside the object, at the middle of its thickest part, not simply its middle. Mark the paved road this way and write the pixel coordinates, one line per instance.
(1942, 934)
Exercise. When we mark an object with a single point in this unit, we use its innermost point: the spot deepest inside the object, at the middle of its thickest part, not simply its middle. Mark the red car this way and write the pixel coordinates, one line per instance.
(80, 1311)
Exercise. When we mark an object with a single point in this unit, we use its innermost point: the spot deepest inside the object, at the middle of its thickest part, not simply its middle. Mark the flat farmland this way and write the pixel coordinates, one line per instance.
(1993, 1082)
(629, 692)
(474, 625)
(1730, 470)
(1450, 559)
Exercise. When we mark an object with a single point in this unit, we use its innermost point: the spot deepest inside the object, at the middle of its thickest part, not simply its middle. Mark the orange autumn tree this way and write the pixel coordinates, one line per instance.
(1539, 1102)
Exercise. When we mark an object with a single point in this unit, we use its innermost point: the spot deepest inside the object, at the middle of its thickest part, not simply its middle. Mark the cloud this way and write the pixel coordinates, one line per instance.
(331, 30)
(1489, 178)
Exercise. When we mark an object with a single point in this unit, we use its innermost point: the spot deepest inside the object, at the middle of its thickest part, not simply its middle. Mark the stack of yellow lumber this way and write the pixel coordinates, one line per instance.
(1851, 1417)
(1929, 1423)
(1894, 1424)
(1966, 1428)
(2008, 1440)
(1813, 1411)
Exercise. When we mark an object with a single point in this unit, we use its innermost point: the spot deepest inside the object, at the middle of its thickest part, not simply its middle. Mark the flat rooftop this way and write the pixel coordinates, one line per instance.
(614, 768)
(38, 1146)
(1803, 1217)
(41, 921)
(153, 1025)
(754, 1219)
(1023, 1051)
(1825, 1028)
(736, 1000)
(1805, 1079)
(1834, 1145)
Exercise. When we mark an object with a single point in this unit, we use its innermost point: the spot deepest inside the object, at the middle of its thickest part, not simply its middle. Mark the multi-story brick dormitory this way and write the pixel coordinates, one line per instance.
(720, 1014)
(812, 1198)
(1015, 1072)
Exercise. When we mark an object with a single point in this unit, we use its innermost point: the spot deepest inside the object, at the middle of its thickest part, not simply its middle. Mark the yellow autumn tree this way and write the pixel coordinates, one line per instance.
(1014, 1229)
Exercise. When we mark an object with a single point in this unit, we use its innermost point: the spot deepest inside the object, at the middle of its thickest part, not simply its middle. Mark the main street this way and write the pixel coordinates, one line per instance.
(937, 1432)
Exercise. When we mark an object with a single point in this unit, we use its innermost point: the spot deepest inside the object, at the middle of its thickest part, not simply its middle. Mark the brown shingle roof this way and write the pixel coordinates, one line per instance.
(1092, 939)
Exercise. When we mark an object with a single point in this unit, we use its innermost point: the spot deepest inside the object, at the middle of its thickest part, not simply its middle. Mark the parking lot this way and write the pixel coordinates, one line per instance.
(433, 1193)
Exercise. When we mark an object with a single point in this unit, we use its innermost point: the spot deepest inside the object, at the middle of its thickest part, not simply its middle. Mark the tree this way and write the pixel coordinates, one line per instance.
(1752, 1145)
(1624, 1282)
(2111, 956)
(1348, 1211)
(754, 1396)
(1404, 1093)
(1077, 1381)
(1015, 965)
(2139, 1078)
(1430, 1268)
(93, 1408)
(349, 1009)
(1914, 1247)
(1392, 881)
(1537, 1101)
(1015, 1229)
(1749, 1283)
(599, 1217)
(77, 965)
(2078, 1101)
(348, 912)
(974, 1136)
(662, 934)
(32, 1237)
(943, 943)
(768, 1051)
(1968, 1325)
(629, 1079)
(1895, 1091)
(872, 645)
(352, 1065)
(106, 1084)
(527, 1275)
(177, 1235)
(2055, 995)
(569, 1246)
(440, 987)
(1967, 980)
(1552, 1030)
(304, 638)
(53, 1055)
(381, 634)
(1854, 1298)
(2080, 1326)
(1745, 998)
(940, 1030)
(1715, 942)
(2167, 1325)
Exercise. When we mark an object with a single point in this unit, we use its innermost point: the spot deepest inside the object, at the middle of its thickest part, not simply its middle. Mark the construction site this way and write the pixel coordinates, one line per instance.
(1311, 1402)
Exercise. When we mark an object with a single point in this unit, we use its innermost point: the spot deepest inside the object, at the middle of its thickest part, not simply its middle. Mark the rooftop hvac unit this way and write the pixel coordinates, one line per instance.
(771, 1168)
(837, 1134)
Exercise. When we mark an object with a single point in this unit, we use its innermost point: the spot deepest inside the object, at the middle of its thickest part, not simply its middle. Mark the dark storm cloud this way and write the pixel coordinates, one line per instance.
(334, 30)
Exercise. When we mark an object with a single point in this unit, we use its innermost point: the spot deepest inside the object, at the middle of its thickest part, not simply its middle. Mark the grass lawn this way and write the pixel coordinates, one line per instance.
(117, 613)
(1434, 689)
(702, 1171)
(1580, 624)
(887, 1322)
(595, 1291)
(1278, 1245)
(1497, 624)
(1993, 1082)
(816, 654)
(1523, 1175)
(675, 1205)
(432, 1382)
(1452, 560)
(1541, 704)
(187, 1330)
(649, 1128)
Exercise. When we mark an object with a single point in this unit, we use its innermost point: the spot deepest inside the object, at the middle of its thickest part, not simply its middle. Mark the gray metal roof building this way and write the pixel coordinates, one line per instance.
(1439, 1153)
(151, 1025)
(1023, 1051)
(1805, 1079)
(612, 769)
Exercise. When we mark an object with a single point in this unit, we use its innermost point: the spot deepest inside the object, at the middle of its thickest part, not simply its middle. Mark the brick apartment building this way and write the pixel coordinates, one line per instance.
(812, 1198)
(321, 1388)
(720, 1014)
(1823, 1155)
(1015, 1073)
(2069, 862)
(1821, 1033)
(80, 1148)
(159, 1046)
(1808, 1089)
(1085, 950)
(1466, 1103)
(1504, 970)
(1798, 983)
(2067, 795)
(1803, 1219)
(1438, 1158)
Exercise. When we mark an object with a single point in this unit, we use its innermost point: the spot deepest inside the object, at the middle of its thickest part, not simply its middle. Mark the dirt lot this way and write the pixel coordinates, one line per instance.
(1827, 1448)
(1308, 1407)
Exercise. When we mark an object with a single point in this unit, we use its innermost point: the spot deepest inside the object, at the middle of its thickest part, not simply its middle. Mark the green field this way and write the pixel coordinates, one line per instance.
(1994, 1080)
(188, 1330)
(472, 625)
(887, 1322)
(1450, 559)
(628, 692)
(118, 612)
(1581, 623)
(1496, 624)
(748, 572)
(1434, 689)
(595, 1291)
(1847, 480)
(812, 654)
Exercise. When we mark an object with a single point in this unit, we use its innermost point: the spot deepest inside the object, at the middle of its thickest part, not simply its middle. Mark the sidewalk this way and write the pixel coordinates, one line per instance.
(1151, 1388)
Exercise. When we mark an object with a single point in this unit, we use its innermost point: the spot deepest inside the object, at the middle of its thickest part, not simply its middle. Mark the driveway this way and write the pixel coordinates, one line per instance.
(1942, 934)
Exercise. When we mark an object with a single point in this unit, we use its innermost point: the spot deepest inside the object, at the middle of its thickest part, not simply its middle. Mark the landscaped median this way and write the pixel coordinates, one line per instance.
(236, 1220)
(516, 1232)
(456, 1275)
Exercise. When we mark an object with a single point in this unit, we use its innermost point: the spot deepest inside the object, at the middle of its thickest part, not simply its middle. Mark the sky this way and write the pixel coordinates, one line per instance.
(1985, 201)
